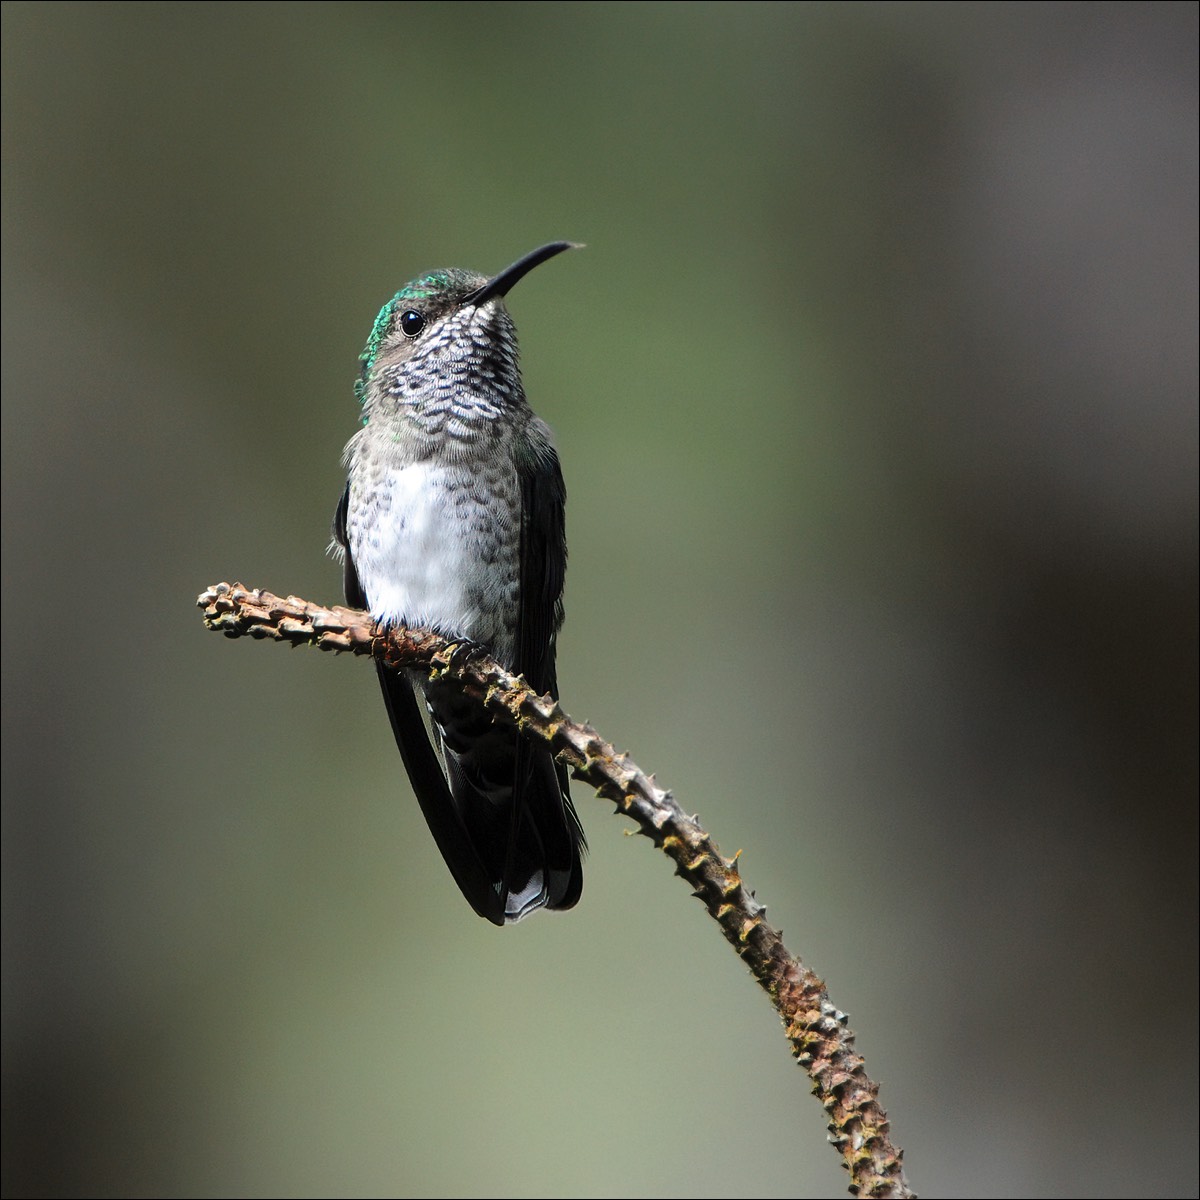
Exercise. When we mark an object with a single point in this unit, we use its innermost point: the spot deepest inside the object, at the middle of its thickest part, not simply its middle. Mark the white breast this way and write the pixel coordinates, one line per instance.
(434, 547)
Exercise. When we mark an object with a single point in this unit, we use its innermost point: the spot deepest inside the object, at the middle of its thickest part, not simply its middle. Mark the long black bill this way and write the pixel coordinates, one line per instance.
(500, 284)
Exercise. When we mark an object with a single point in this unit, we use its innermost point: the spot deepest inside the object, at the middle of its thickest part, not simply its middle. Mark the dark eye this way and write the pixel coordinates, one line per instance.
(411, 323)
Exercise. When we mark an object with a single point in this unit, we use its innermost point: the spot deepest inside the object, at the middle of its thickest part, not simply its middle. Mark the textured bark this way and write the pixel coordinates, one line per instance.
(821, 1041)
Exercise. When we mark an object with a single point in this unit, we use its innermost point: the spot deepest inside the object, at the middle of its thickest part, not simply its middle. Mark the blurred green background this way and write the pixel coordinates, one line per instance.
(875, 392)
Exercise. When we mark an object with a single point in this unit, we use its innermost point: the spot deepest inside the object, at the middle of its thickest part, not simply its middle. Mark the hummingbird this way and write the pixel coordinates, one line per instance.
(452, 519)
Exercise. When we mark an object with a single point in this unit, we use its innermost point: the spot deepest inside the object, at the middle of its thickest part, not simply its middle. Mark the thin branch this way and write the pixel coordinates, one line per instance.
(821, 1041)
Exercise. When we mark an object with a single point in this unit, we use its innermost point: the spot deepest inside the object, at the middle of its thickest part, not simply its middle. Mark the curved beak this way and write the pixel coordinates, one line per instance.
(499, 285)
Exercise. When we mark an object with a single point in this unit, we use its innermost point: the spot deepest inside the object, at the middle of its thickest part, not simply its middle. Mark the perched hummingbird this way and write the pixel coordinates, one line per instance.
(452, 519)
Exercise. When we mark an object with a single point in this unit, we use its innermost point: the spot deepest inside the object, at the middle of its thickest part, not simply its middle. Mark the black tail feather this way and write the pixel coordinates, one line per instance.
(497, 807)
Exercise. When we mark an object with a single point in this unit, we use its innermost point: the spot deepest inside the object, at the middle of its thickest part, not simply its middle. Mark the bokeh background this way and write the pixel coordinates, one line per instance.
(876, 394)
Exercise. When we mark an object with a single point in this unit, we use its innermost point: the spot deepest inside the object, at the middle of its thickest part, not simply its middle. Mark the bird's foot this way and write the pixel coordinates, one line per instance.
(464, 652)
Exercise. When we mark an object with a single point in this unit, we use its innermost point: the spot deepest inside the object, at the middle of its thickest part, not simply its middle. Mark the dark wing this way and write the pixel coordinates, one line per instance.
(542, 804)
(421, 761)
(543, 566)
(350, 585)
